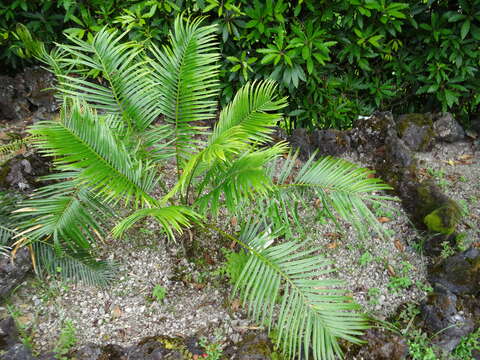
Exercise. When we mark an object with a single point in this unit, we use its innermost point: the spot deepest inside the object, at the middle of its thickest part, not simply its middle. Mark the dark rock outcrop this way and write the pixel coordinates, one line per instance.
(8, 333)
(27, 95)
(383, 345)
(98, 352)
(369, 136)
(442, 318)
(324, 142)
(150, 348)
(13, 272)
(416, 131)
(446, 128)
(331, 142)
(254, 347)
(459, 273)
(18, 352)
(9, 109)
(37, 85)
(437, 211)
(22, 172)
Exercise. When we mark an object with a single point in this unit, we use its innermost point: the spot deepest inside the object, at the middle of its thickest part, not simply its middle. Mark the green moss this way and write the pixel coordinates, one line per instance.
(444, 219)
(420, 120)
(252, 346)
(380, 123)
(341, 139)
(430, 198)
(462, 241)
(177, 346)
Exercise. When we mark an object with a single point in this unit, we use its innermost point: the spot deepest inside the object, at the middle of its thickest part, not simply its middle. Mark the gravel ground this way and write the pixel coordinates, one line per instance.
(127, 311)
(375, 268)
(456, 168)
(374, 271)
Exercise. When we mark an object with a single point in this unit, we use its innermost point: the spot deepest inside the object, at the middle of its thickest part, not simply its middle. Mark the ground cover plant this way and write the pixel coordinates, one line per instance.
(335, 60)
(147, 106)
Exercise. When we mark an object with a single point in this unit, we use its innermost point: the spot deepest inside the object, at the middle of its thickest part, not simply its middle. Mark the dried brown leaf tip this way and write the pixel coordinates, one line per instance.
(399, 245)
(333, 235)
(235, 305)
(391, 270)
(332, 245)
(117, 312)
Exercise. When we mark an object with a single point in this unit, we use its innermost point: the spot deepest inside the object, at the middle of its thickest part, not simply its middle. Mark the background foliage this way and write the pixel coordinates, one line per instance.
(335, 59)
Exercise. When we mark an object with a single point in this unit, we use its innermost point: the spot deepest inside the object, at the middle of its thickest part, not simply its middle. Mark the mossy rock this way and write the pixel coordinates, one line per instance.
(4, 170)
(380, 122)
(463, 241)
(405, 120)
(445, 219)
(255, 346)
(429, 198)
(416, 130)
(459, 273)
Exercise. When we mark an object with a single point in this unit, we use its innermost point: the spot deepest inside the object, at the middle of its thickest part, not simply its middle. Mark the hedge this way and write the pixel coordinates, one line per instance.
(335, 59)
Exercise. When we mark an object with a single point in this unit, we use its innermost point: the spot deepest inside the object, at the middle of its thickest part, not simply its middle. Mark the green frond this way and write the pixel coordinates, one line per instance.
(286, 286)
(255, 110)
(246, 122)
(171, 218)
(9, 150)
(60, 222)
(344, 189)
(72, 264)
(130, 93)
(4, 250)
(187, 77)
(5, 235)
(157, 143)
(83, 141)
(225, 146)
(234, 181)
(7, 222)
(62, 213)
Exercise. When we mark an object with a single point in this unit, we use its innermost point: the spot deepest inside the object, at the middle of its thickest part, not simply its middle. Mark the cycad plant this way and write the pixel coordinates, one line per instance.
(148, 106)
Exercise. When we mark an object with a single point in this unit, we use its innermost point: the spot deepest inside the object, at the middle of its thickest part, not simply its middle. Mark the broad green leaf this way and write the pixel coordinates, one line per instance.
(465, 29)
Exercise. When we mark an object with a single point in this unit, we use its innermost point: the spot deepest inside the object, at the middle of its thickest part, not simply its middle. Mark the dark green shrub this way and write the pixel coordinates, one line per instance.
(336, 60)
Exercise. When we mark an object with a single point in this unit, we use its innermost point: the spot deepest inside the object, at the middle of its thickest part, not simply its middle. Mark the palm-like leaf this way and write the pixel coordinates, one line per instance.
(112, 155)
(60, 221)
(244, 125)
(344, 189)
(255, 110)
(83, 141)
(7, 223)
(188, 81)
(5, 235)
(285, 286)
(63, 213)
(72, 264)
(129, 94)
(9, 150)
(242, 178)
(4, 250)
(171, 218)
